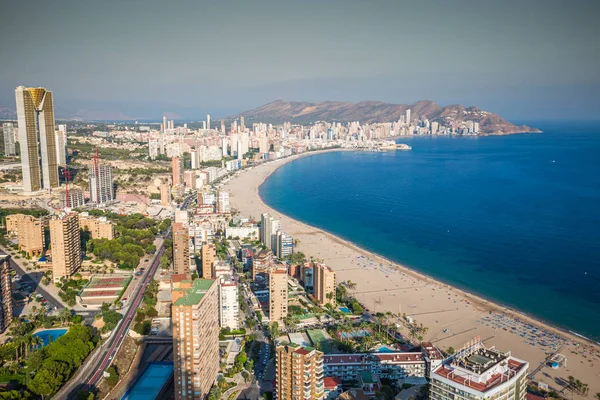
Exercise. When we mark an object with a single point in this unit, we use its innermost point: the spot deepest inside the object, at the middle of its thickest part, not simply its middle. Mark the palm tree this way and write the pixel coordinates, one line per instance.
(65, 315)
(36, 342)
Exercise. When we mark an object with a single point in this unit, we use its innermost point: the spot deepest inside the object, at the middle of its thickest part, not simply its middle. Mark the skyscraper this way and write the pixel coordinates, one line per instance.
(177, 169)
(278, 294)
(101, 183)
(195, 320)
(228, 302)
(66, 245)
(323, 284)
(6, 299)
(181, 249)
(268, 231)
(61, 144)
(285, 244)
(207, 121)
(8, 130)
(223, 202)
(408, 117)
(208, 260)
(35, 114)
(164, 123)
(299, 373)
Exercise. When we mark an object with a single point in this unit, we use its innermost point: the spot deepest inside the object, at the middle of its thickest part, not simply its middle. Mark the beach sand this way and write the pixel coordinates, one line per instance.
(438, 306)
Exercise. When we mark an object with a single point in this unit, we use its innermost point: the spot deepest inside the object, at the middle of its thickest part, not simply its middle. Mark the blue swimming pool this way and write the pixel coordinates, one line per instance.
(384, 349)
(149, 385)
(50, 335)
(345, 310)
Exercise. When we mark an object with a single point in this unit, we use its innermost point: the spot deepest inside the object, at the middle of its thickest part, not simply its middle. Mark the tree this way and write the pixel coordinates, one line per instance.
(450, 350)
(274, 330)
(113, 378)
(44, 383)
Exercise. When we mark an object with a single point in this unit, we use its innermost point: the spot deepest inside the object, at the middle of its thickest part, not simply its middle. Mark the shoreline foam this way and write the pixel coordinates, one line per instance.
(471, 307)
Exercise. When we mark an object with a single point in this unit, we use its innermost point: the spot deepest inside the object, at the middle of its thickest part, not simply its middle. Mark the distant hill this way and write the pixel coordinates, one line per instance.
(374, 111)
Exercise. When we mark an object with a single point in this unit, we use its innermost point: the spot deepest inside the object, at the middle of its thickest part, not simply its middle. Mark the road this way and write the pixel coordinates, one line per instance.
(91, 372)
(33, 279)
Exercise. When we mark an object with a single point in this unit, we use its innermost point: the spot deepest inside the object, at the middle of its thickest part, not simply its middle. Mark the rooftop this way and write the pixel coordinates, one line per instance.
(195, 294)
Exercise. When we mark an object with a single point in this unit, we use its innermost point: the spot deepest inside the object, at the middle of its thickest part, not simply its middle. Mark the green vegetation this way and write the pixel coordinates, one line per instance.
(297, 258)
(69, 289)
(113, 377)
(167, 258)
(134, 238)
(231, 332)
(111, 319)
(147, 310)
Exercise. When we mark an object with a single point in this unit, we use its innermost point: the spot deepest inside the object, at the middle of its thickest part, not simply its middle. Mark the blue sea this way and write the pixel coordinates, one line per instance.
(515, 219)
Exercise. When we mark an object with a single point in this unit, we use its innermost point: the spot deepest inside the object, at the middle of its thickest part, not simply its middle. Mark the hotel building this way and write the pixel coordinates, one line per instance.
(394, 366)
(195, 338)
(278, 295)
(35, 115)
(477, 372)
(299, 373)
(6, 304)
(66, 245)
(323, 284)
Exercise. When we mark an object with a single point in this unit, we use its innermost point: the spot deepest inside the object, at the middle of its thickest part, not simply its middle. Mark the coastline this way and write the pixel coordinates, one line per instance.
(424, 294)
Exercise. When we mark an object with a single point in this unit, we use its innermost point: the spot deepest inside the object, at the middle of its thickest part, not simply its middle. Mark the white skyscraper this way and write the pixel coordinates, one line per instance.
(207, 121)
(228, 302)
(9, 139)
(164, 124)
(408, 117)
(61, 145)
(35, 115)
(101, 183)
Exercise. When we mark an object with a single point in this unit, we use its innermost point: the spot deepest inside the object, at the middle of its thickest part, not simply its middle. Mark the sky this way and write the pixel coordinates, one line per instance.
(525, 60)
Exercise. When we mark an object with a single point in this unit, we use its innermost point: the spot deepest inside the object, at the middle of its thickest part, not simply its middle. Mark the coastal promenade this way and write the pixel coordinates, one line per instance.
(453, 316)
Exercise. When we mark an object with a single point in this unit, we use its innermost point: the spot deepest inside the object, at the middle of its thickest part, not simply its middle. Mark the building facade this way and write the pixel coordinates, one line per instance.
(298, 373)
(60, 136)
(278, 295)
(66, 245)
(75, 199)
(177, 169)
(181, 249)
(8, 131)
(35, 115)
(100, 228)
(476, 372)
(347, 367)
(101, 184)
(323, 284)
(285, 244)
(229, 313)
(195, 338)
(29, 231)
(6, 306)
(268, 231)
(208, 260)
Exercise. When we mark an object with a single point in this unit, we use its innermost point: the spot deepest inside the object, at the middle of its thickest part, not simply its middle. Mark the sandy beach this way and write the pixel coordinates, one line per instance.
(453, 316)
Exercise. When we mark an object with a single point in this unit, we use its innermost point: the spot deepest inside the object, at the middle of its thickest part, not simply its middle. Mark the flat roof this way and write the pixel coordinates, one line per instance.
(195, 294)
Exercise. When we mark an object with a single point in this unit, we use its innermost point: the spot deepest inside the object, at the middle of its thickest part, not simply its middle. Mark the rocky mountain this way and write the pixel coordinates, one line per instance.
(374, 111)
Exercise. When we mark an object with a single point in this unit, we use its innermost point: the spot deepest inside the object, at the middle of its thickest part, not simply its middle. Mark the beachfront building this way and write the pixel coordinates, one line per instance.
(433, 357)
(208, 260)
(195, 338)
(268, 231)
(396, 365)
(223, 202)
(6, 304)
(66, 245)
(476, 372)
(229, 313)
(299, 373)
(278, 295)
(323, 284)
(284, 244)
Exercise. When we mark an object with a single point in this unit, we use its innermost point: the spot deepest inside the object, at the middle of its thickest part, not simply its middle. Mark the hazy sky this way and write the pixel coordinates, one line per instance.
(523, 59)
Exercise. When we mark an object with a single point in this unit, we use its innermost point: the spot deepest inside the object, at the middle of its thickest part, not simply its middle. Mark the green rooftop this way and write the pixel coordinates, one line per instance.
(195, 293)
(366, 378)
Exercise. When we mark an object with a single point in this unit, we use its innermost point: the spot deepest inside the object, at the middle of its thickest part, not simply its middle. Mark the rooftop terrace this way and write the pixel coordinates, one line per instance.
(195, 294)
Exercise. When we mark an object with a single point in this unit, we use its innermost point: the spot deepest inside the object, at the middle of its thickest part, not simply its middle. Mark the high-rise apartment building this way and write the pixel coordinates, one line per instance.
(323, 284)
(66, 245)
(101, 183)
(285, 244)
(165, 194)
(195, 321)
(223, 202)
(278, 294)
(29, 231)
(35, 115)
(208, 260)
(476, 373)
(208, 121)
(74, 198)
(268, 231)
(6, 299)
(61, 144)
(229, 313)
(8, 130)
(177, 169)
(299, 373)
(181, 249)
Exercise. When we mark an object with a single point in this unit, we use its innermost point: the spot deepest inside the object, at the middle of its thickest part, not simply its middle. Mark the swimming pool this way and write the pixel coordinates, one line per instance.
(50, 335)
(384, 349)
(345, 310)
(149, 385)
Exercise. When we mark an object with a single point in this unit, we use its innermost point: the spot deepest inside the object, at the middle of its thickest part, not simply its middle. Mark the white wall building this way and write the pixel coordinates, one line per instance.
(228, 303)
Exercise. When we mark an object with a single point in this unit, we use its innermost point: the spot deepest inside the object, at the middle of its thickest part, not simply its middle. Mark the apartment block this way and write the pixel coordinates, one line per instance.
(100, 228)
(208, 260)
(476, 372)
(393, 366)
(278, 295)
(66, 245)
(101, 183)
(299, 373)
(195, 338)
(6, 306)
(324, 284)
(29, 231)
(181, 249)
(229, 313)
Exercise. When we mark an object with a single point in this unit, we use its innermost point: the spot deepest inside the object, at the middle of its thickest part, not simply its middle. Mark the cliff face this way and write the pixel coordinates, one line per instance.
(374, 111)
